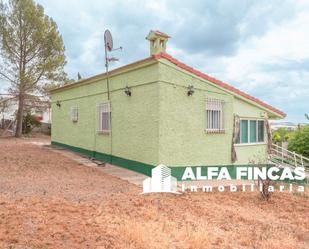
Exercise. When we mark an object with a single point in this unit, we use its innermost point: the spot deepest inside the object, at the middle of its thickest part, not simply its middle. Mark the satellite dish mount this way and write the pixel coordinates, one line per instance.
(108, 45)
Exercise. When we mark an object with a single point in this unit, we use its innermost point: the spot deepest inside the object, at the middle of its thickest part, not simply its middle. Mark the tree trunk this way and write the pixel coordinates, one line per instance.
(19, 117)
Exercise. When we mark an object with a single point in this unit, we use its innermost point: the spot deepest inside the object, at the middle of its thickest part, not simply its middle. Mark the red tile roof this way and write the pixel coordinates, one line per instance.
(187, 68)
(217, 82)
(157, 32)
(94, 77)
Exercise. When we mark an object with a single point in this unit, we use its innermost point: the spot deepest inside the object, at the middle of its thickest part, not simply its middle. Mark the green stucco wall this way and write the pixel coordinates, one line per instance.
(159, 123)
(183, 140)
(134, 119)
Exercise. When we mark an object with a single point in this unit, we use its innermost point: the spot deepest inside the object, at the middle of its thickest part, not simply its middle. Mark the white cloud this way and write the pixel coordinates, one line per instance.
(259, 46)
(285, 43)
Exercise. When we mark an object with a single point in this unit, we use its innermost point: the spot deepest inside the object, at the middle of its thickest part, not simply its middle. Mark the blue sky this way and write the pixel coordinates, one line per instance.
(260, 47)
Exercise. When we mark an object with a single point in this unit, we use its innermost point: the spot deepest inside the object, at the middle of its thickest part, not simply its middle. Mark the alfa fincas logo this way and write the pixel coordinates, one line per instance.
(161, 181)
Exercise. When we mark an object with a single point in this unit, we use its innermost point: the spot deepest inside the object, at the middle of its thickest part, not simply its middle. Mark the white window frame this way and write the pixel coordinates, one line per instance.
(211, 105)
(74, 113)
(252, 143)
(103, 107)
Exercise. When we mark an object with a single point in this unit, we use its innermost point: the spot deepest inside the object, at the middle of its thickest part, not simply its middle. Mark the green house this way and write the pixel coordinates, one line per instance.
(159, 110)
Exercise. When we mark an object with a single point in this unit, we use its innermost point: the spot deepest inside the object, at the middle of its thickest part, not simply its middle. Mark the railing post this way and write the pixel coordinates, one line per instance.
(295, 162)
(302, 161)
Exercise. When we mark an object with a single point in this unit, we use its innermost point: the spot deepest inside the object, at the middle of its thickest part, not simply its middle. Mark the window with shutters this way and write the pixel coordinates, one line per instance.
(74, 113)
(104, 118)
(252, 131)
(214, 115)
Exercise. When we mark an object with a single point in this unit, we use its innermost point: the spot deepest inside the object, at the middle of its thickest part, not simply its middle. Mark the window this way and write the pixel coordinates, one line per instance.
(214, 115)
(261, 136)
(104, 117)
(251, 131)
(244, 131)
(74, 113)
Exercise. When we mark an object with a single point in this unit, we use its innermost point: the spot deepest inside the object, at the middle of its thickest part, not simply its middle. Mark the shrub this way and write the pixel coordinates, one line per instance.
(281, 135)
(30, 122)
(299, 142)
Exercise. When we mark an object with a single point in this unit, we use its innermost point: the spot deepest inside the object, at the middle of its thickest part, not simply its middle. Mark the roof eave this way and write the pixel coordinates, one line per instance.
(224, 86)
(131, 66)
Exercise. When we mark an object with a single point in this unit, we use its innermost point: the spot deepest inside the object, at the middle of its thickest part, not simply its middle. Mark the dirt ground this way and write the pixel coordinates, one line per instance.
(49, 201)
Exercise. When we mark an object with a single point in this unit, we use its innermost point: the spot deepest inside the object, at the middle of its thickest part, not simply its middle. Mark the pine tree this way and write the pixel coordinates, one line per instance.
(31, 51)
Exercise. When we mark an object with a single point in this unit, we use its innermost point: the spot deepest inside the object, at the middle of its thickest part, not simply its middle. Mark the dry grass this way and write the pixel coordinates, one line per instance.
(49, 201)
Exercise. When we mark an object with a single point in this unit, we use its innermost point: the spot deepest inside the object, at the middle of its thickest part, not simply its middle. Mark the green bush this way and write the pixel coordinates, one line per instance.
(276, 137)
(299, 142)
(29, 122)
(281, 135)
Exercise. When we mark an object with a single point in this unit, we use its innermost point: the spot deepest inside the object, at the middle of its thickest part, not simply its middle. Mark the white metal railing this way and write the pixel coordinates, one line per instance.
(286, 157)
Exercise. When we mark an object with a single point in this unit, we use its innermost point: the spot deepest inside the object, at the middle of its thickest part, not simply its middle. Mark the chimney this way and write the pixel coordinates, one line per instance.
(157, 40)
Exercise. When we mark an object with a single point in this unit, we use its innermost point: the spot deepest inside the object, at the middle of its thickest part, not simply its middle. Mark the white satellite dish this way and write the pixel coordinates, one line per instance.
(108, 44)
(108, 40)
